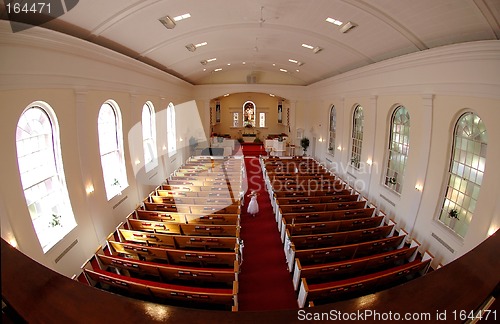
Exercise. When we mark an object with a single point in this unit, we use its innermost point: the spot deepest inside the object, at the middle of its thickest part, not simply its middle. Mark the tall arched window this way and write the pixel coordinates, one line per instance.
(149, 137)
(171, 130)
(357, 136)
(42, 175)
(332, 132)
(249, 112)
(109, 126)
(399, 146)
(466, 173)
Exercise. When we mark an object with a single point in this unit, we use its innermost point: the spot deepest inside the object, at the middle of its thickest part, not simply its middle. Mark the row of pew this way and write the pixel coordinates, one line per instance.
(337, 244)
(181, 245)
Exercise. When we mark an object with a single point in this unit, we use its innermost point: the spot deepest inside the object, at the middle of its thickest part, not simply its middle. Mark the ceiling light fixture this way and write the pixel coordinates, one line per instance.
(182, 17)
(168, 22)
(201, 44)
(348, 26)
(211, 60)
(307, 46)
(283, 70)
(293, 61)
(334, 21)
(191, 47)
(317, 49)
(217, 70)
(204, 62)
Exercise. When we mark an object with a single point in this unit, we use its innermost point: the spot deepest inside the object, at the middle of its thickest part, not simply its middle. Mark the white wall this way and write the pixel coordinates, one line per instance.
(75, 78)
(436, 86)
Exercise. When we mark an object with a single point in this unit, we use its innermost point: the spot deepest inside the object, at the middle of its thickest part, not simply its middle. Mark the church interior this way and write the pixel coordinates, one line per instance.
(236, 161)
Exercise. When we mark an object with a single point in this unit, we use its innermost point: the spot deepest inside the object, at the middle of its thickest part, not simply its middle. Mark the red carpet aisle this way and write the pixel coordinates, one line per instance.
(265, 283)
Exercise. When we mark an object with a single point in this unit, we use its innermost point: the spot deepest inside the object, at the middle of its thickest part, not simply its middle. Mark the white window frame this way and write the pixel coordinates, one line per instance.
(397, 149)
(149, 137)
(357, 136)
(465, 173)
(114, 172)
(42, 175)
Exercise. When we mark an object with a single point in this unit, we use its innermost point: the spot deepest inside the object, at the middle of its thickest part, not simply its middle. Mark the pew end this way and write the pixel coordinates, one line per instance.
(303, 292)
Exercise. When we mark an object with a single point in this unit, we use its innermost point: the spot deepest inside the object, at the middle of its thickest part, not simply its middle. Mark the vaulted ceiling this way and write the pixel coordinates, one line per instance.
(261, 41)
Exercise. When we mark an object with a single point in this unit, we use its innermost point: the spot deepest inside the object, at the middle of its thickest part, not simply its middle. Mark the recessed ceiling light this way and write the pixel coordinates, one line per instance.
(293, 61)
(228, 63)
(297, 70)
(181, 17)
(332, 20)
(271, 95)
(244, 62)
(204, 70)
(274, 64)
(226, 95)
(201, 44)
(211, 60)
(217, 70)
(283, 70)
(307, 46)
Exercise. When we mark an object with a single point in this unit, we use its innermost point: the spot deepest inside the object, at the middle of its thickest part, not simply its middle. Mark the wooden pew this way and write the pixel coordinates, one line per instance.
(210, 230)
(173, 256)
(291, 194)
(297, 218)
(349, 251)
(167, 272)
(342, 289)
(352, 266)
(334, 226)
(316, 199)
(163, 291)
(154, 226)
(321, 207)
(194, 209)
(178, 241)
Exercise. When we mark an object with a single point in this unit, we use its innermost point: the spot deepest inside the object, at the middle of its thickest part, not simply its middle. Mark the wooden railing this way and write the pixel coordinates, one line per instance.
(40, 295)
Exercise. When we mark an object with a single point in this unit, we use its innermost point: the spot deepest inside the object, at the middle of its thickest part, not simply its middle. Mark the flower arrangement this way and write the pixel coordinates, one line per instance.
(453, 213)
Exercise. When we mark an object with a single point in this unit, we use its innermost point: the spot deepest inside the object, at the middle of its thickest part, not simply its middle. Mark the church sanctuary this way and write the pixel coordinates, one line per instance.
(271, 161)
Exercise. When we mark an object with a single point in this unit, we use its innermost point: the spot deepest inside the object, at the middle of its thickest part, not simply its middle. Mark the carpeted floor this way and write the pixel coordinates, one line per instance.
(264, 281)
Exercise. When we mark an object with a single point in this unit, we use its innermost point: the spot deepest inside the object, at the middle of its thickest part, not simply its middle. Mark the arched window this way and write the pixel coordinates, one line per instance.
(42, 175)
(332, 132)
(249, 112)
(399, 146)
(357, 136)
(149, 137)
(466, 173)
(171, 130)
(109, 126)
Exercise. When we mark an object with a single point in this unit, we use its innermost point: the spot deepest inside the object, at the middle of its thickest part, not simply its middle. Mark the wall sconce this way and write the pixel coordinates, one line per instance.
(339, 148)
(419, 187)
(492, 230)
(180, 139)
(137, 162)
(164, 147)
(89, 189)
(369, 162)
(320, 139)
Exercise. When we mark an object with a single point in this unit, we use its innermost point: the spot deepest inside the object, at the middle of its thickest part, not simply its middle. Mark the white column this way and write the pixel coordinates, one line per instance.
(423, 160)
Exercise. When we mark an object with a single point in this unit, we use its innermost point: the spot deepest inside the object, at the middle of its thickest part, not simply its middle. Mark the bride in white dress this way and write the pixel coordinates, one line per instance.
(253, 206)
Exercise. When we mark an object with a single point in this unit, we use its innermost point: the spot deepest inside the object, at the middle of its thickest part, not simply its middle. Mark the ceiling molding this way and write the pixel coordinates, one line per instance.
(360, 4)
(489, 16)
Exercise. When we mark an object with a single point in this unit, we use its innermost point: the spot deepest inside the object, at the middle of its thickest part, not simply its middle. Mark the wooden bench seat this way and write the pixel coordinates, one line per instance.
(315, 199)
(185, 242)
(325, 216)
(191, 200)
(234, 208)
(335, 290)
(315, 273)
(173, 256)
(349, 251)
(183, 229)
(161, 291)
(306, 242)
(302, 242)
(222, 219)
(306, 193)
(334, 226)
(169, 273)
(300, 208)
(192, 194)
